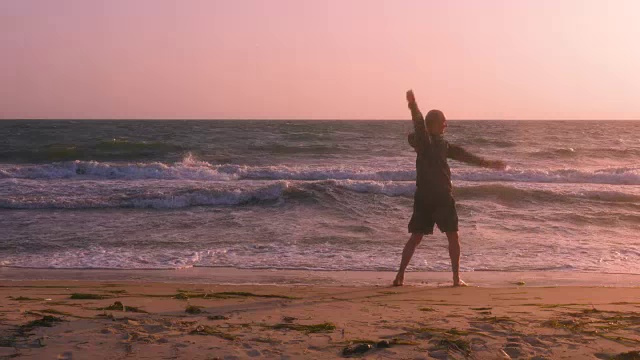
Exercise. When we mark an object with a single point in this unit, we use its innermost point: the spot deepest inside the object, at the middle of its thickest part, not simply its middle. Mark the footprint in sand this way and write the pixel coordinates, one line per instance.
(439, 354)
(482, 326)
(253, 353)
(534, 341)
(513, 352)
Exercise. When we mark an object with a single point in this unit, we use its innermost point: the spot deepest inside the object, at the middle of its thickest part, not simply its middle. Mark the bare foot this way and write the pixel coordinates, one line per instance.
(460, 283)
(399, 281)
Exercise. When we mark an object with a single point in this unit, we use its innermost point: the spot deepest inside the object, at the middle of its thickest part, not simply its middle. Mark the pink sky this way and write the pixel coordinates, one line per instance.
(319, 59)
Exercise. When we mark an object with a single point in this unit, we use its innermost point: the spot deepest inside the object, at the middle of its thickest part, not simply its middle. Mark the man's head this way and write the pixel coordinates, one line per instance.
(436, 122)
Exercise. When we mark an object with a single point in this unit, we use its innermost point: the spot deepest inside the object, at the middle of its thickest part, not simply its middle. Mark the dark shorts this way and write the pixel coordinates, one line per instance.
(429, 211)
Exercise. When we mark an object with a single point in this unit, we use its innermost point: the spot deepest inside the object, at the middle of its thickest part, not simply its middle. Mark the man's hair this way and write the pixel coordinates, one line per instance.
(433, 116)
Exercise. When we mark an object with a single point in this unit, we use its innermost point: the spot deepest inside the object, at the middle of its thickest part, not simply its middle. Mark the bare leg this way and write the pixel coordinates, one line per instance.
(407, 253)
(454, 254)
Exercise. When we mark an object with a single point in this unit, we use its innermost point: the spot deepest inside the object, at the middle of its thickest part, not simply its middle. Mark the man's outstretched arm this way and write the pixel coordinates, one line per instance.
(418, 137)
(458, 153)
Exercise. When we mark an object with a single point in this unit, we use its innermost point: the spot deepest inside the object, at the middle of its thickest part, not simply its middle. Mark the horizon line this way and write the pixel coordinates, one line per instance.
(282, 119)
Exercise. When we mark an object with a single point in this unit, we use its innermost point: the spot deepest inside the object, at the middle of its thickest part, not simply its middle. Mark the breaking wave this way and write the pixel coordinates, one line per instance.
(192, 169)
(158, 194)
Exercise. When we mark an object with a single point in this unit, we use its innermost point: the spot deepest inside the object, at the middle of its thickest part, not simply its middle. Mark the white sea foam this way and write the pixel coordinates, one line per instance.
(98, 257)
(329, 257)
(190, 169)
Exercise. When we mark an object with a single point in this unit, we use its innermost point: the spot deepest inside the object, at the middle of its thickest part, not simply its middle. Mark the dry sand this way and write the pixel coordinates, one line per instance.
(43, 320)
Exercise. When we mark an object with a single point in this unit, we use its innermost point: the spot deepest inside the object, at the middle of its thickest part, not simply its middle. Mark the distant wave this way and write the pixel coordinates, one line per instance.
(187, 169)
(192, 169)
(114, 149)
(569, 152)
(483, 141)
(298, 149)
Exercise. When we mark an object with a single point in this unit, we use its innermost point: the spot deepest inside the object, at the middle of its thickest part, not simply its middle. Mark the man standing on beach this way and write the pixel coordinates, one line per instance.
(433, 202)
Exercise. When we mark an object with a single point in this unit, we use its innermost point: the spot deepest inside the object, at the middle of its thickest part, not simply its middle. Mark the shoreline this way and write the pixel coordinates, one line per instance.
(233, 276)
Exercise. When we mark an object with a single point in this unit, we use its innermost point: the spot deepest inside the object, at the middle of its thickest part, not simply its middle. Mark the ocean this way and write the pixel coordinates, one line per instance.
(313, 195)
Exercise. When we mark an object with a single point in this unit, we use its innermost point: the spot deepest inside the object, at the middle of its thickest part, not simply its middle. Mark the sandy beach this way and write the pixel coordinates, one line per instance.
(507, 317)
(230, 180)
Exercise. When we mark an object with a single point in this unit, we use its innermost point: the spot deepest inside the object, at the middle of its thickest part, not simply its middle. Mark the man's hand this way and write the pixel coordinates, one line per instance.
(411, 99)
(496, 165)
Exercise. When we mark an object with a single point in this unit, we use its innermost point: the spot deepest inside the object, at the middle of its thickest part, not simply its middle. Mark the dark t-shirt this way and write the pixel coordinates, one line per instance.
(433, 175)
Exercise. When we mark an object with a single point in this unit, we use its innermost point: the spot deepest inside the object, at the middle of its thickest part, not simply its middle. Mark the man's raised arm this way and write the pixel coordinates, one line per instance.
(418, 137)
(458, 153)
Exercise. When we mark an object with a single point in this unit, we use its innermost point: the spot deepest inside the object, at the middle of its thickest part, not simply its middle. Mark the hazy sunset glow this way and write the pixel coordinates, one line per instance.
(319, 59)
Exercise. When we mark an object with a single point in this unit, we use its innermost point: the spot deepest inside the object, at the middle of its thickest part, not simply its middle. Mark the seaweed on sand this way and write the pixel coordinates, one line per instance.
(315, 328)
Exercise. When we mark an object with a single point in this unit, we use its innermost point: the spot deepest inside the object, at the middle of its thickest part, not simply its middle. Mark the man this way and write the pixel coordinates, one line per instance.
(433, 202)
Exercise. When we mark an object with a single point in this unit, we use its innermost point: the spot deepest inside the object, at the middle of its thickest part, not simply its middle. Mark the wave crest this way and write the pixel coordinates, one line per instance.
(192, 169)
(184, 196)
